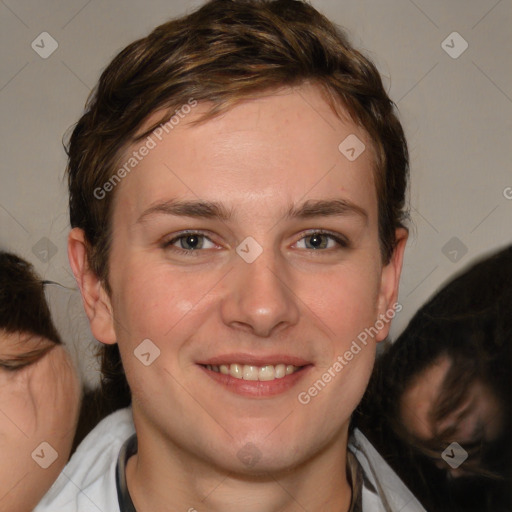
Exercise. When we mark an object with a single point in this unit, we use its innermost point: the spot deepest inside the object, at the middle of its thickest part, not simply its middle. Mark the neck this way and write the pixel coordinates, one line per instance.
(163, 477)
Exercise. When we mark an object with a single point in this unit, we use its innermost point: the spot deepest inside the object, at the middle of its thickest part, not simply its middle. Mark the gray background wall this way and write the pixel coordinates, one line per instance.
(456, 108)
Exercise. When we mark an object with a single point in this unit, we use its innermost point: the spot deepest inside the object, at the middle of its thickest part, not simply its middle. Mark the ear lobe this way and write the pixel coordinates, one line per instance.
(390, 281)
(95, 299)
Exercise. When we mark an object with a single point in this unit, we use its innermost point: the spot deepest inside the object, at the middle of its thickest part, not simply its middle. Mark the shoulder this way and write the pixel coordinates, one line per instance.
(383, 491)
(87, 483)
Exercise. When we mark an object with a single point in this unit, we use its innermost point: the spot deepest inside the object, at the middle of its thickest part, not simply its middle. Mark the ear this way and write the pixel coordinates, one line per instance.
(96, 300)
(390, 279)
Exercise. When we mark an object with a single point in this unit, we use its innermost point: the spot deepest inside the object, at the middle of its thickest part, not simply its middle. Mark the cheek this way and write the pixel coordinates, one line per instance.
(55, 391)
(346, 300)
(344, 305)
(161, 306)
(18, 418)
(156, 299)
(40, 404)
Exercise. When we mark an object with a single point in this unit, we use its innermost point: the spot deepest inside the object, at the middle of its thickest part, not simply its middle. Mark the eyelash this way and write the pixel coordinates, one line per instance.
(13, 366)
(342, 241)
(18, 363)
(168, 244)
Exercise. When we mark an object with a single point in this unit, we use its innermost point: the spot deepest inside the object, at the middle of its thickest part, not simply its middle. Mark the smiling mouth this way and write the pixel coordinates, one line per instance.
(248, 372)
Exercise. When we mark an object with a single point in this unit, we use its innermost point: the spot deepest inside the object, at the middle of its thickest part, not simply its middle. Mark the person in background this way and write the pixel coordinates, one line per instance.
(447, 379)
(39, 390)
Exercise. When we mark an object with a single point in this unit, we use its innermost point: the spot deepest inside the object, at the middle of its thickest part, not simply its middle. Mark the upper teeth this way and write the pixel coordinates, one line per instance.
(249, 372)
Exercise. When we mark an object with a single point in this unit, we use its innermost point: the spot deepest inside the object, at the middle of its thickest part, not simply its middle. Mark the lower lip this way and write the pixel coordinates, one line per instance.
(257, 388)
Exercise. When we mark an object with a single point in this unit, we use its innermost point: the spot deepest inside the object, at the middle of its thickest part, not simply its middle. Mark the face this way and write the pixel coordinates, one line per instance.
(478, 419)
(246, 250)
(39, 403)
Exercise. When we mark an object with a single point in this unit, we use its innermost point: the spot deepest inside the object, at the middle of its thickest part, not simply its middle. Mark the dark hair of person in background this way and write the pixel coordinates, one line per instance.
(24, 309)
(23, 306)
(469, 321)
(40, 389)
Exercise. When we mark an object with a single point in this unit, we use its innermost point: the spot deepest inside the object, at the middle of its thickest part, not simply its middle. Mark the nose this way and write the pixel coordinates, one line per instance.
(259, 298)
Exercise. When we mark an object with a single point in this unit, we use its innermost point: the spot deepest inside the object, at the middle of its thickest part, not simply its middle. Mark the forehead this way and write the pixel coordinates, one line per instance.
(22, 340)
(419, 398)
(288, 140)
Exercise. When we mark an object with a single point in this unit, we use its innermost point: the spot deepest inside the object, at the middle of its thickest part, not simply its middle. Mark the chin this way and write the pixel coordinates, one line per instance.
(253, 462)
(255, 458)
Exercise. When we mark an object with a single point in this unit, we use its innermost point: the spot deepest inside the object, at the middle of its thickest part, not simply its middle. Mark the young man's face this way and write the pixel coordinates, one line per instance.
(248, 240)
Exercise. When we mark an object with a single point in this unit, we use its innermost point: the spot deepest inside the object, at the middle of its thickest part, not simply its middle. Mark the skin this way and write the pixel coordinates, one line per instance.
(478, 419)
(39, 402)
(257, 160)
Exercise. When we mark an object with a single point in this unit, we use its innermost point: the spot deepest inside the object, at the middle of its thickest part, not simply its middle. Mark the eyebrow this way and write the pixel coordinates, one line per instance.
(197, 209)
(326, 208)
(214, 210)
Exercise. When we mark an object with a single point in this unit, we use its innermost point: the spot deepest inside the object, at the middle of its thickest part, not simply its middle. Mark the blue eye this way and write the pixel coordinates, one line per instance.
(321, 240)
(190, 242)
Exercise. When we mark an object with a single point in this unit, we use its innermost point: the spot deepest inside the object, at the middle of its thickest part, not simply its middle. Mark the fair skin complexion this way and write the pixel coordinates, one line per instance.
(295, 304)
(39, 402)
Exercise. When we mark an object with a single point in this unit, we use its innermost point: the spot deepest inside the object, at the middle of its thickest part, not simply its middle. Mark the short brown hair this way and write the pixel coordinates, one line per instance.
(223, 53)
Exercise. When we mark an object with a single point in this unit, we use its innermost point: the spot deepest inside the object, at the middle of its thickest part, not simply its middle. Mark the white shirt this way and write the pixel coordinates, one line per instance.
(88, 482)
(383, 491)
